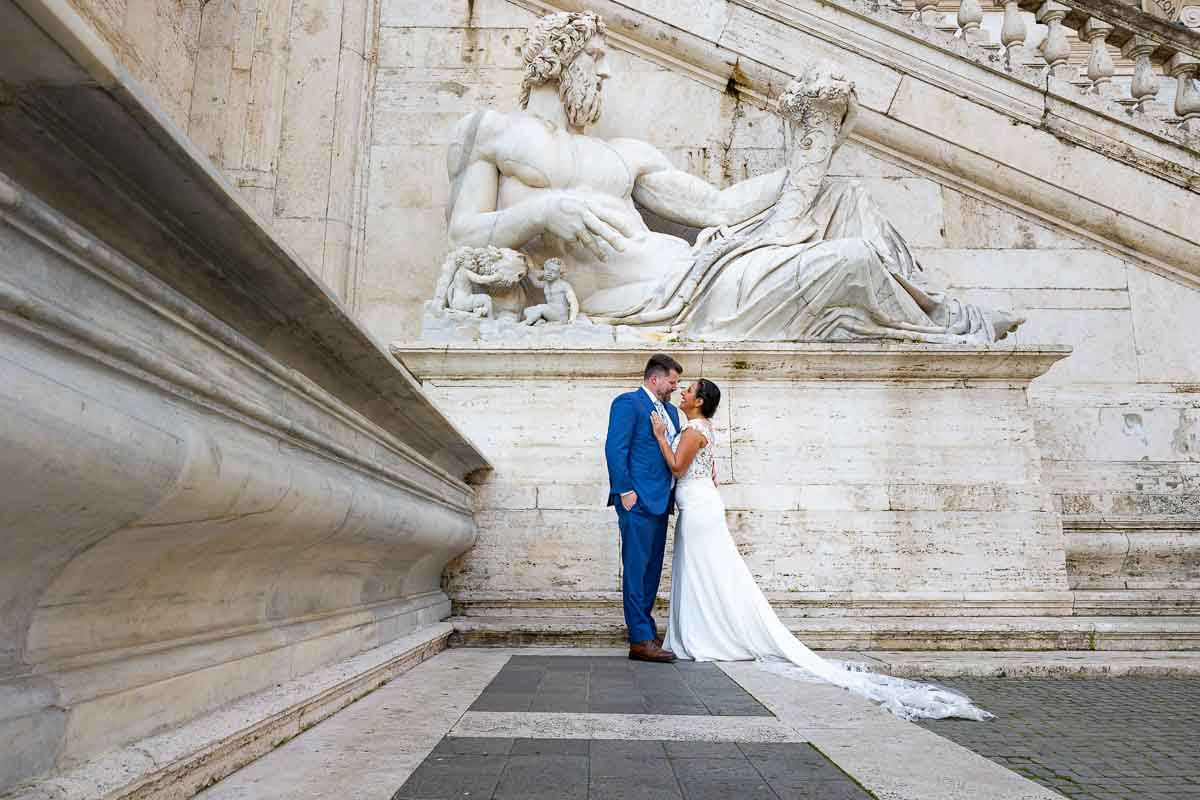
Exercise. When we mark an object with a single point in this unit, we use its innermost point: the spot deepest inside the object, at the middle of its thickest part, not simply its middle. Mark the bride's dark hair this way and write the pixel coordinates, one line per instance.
(707, 391)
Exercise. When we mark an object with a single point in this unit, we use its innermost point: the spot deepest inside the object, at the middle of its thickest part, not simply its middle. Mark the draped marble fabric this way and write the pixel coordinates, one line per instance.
(835, 271)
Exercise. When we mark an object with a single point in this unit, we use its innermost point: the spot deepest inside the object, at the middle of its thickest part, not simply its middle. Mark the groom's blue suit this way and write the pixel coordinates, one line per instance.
(635, 463)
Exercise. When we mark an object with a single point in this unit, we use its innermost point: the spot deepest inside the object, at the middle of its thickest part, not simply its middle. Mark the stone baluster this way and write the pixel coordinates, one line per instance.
(926, 11)
(1144, 87)
(1183, 69)
(1013, 33)
(970, 19)
(1100, 67)
(1055, 48)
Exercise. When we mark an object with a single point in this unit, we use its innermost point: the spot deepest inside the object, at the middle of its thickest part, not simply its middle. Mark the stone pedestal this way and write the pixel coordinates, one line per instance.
(872, 485)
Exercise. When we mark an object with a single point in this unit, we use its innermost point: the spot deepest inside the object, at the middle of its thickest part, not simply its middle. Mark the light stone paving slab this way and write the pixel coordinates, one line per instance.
(674, 727)
(370, 749)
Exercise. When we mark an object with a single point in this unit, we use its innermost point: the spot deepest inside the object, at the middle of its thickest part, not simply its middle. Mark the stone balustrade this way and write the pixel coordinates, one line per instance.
(1160, 42)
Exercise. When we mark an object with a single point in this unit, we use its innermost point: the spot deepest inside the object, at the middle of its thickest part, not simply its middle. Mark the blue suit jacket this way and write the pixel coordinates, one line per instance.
(634, 460)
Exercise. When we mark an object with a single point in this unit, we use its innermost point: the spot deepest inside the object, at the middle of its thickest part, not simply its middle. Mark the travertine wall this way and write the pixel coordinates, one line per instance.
(157, 41)
(275, 93)
(881, 478)
(280, 106)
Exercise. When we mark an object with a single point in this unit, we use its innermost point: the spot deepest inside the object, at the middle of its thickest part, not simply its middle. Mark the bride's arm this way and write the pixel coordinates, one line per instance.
(690, 443)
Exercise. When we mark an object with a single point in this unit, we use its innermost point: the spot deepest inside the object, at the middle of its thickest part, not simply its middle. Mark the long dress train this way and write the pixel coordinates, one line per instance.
(718, 613)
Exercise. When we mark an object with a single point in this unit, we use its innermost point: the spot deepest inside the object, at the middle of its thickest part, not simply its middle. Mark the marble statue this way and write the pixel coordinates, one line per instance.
(482, 281)
(562, 304)
(785, 256)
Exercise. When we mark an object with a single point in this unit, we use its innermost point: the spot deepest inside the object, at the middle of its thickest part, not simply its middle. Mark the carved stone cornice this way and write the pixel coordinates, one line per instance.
(757, 361)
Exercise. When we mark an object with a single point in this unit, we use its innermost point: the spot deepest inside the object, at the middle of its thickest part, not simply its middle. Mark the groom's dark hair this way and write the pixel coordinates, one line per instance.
(661, 364)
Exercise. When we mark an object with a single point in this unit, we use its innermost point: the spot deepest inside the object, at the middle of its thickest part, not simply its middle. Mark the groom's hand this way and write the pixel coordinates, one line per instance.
(629, 500)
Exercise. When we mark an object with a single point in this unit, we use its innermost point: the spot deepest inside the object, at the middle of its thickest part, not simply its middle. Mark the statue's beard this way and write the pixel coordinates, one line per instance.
(579, 91)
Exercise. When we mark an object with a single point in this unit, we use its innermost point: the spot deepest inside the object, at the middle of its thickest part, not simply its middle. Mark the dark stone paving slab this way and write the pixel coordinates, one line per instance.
(579, 769)
(615, 685)
(1092, 739)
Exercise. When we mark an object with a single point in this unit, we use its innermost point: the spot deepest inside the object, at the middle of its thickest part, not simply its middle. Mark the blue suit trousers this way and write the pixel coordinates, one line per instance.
(643, 541)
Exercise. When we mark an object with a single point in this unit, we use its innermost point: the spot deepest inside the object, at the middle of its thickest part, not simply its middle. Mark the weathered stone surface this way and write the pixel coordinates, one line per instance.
(908, 487)
(158, 41)
(1163, 356)
(185, 760)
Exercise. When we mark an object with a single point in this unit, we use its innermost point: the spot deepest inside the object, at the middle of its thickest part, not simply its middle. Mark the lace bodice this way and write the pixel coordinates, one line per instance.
(702, 464)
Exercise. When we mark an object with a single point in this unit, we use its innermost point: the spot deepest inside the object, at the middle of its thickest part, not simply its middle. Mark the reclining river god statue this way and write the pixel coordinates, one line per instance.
(786, 256)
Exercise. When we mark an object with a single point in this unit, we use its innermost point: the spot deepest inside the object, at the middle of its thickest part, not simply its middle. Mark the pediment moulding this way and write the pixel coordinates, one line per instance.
(786, 362)
(1016, 134)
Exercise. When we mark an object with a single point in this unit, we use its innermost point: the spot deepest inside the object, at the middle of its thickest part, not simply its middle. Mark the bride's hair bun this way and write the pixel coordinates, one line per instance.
(707, 391)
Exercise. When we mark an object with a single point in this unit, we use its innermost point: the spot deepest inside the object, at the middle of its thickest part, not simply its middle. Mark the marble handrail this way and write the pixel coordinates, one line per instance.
(1158, 37)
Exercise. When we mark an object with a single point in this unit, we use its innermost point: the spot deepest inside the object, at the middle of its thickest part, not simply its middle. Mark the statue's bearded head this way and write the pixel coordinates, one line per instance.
(569, 48)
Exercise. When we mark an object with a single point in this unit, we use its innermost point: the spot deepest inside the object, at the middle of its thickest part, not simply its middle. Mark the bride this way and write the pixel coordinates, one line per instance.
(718, 613)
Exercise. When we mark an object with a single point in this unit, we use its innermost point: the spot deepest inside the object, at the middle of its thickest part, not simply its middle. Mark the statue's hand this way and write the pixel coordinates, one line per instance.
(574, 217)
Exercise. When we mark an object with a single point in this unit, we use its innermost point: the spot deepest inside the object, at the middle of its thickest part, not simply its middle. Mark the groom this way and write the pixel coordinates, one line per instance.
(642, 489)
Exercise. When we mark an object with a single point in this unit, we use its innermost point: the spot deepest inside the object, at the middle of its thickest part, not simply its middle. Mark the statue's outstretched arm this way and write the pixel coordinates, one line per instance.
(688, 200)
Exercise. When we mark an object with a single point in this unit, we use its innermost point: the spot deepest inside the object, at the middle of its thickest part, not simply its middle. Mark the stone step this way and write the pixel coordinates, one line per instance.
(1162, 633)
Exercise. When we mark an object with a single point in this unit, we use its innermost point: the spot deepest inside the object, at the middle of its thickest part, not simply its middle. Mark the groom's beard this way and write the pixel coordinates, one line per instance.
(579, 91)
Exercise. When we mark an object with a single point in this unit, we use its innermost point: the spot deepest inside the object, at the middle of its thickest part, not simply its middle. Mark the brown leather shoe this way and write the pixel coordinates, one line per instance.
(649, 651)
(658, 640)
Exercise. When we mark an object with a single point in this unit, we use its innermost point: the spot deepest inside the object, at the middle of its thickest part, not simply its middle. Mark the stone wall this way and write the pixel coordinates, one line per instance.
(875, 479)
(157, 41)
(275, 93)
(281, 107)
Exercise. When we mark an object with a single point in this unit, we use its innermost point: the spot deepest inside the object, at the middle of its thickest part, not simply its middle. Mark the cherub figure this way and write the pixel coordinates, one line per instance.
(561, 303)
(467, 268)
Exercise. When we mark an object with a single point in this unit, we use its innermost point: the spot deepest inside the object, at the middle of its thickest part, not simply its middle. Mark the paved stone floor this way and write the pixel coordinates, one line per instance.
(615, 685)
(546, 723)
(607, 769)
(1102, 739)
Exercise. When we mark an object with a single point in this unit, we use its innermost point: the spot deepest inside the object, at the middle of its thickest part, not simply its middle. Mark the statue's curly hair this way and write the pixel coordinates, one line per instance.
(552, 43)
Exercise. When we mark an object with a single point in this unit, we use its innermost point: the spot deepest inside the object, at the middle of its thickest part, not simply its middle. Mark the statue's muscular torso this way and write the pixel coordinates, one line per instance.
(530, 158)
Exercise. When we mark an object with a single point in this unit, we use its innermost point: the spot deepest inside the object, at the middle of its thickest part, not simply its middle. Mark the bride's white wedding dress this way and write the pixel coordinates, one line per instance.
(718, 613)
